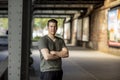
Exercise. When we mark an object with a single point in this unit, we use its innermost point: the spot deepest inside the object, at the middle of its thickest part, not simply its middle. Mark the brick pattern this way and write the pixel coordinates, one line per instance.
(99, 37)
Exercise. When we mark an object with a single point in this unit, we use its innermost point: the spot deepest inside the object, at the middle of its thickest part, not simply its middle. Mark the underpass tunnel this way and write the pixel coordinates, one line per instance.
(72, 26)
(87, 25)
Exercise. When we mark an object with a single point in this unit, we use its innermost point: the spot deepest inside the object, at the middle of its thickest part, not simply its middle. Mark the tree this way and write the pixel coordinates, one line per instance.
(4, 23)
(42, 22)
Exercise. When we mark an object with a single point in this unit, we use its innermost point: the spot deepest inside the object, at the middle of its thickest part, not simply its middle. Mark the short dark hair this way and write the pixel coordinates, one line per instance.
(52, 20)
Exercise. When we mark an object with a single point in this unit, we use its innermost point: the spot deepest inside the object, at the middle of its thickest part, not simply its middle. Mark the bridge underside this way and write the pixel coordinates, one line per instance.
(21, 13)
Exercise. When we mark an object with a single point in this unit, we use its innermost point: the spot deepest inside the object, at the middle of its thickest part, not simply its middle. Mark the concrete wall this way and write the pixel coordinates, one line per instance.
(98, 28)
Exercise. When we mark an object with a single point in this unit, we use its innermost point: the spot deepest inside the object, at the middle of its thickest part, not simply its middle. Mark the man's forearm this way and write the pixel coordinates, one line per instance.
(47, 56)
(63, 53)
(52, 57)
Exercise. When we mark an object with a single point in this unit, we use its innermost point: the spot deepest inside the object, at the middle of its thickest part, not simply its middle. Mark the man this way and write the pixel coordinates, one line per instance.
(52, 49)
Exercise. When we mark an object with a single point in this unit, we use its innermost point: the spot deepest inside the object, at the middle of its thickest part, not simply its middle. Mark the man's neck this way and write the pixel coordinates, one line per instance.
(51, 36)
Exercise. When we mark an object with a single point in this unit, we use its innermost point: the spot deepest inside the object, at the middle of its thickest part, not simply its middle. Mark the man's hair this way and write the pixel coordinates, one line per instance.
(52, 20)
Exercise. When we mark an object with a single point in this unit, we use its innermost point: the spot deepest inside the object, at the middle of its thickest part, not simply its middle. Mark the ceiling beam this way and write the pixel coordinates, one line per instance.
(59, 12)
(59, 7)
(51, 16)
(62, 5)
(63, 8)
(3, 5)
(3, 12)
(68, 1)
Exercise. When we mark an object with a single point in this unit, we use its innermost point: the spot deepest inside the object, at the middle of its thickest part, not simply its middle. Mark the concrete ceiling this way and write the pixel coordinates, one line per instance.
(49, 7)
(3, 5)
(59, 7)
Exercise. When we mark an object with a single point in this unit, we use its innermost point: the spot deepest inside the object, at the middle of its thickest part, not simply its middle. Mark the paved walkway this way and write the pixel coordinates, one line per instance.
(84, 65)
(3, 55)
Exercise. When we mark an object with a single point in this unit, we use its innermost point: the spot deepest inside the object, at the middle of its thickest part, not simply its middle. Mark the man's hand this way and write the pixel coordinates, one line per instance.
(49, 55)
(63, 53)
(53, 53)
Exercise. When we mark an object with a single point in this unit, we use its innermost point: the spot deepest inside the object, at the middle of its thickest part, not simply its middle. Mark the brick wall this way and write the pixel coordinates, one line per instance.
(98, 29)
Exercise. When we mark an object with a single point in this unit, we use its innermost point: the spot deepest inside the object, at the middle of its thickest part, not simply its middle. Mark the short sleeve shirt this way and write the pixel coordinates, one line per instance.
(57, 45)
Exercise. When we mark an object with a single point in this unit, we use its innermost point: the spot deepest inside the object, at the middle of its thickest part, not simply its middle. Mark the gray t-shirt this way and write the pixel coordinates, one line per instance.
(57, 45)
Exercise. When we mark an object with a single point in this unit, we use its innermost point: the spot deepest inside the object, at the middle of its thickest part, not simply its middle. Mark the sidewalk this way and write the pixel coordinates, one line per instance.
(84, 65)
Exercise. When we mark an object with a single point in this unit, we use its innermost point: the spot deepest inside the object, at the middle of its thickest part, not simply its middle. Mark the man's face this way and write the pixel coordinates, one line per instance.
(52, 28)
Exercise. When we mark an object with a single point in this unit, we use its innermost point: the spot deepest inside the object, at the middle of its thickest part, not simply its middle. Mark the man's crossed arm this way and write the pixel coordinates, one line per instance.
(52, 55)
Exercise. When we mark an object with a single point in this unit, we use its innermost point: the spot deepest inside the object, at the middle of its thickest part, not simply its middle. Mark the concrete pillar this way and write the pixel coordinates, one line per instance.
(19, 35)
(66, 25)
(79, 29)
(74, 32)
(66, 31)
(79, 32)
(85, 34)
(74, 28)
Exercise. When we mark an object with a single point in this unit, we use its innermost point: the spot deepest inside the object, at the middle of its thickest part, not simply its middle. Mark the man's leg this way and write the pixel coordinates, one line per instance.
(52, 75)
(59, 75)
(47, 75)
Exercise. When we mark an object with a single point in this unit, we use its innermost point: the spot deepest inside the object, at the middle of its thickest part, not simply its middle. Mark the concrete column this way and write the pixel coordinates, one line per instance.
(19, 35)
(74, 28)
(74, 32)
(85, 36)
(67, 35)
(85, 33)
(15, 39)
(79, 29)
(67, 31)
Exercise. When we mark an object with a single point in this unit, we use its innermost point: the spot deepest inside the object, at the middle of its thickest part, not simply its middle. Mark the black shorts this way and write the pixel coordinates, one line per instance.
(51, 75)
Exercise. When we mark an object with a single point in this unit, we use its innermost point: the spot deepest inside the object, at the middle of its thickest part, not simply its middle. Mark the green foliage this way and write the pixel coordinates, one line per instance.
(4, 23)
(36, 38)
(42, 22)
